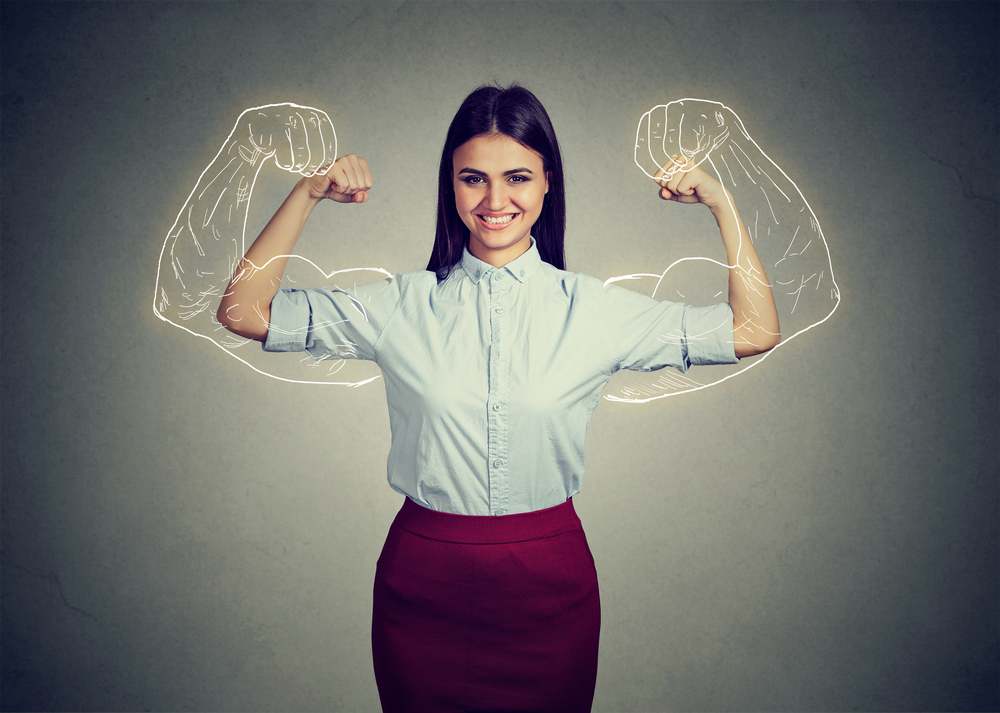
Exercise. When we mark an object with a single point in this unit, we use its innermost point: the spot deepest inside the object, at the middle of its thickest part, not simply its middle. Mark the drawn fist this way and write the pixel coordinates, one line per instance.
(688, 128)
(301, 139)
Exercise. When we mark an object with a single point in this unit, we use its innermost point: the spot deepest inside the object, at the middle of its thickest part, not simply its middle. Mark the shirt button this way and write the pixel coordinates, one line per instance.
(497, 463)
(496, 407)
(498, 276)
(498, 309)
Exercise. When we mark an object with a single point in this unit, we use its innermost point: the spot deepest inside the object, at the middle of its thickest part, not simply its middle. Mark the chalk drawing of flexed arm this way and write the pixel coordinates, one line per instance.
(677, 144)
(203, 254)
(776, 217)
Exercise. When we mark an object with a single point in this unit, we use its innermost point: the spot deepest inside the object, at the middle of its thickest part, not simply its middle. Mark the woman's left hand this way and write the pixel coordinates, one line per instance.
(690, 186)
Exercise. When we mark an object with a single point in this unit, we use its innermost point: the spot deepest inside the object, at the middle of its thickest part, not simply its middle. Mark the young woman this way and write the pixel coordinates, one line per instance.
(486, 594)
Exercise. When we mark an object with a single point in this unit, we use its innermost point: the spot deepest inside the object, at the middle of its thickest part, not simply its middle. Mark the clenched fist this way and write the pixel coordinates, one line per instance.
(680, 180)
(348, 180)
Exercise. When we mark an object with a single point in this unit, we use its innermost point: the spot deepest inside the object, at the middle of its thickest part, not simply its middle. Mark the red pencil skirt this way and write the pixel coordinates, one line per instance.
(478, 613)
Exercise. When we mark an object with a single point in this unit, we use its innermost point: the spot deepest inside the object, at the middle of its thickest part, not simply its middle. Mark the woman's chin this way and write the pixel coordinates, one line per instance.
(498, 239)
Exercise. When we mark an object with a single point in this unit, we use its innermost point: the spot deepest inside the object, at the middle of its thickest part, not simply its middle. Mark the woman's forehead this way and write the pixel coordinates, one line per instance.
(495, 147)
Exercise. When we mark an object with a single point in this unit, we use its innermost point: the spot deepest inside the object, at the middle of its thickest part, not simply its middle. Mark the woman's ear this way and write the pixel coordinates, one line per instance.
(548, 174)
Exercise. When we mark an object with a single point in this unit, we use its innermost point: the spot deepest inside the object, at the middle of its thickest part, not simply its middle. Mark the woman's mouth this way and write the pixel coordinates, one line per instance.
(497, 223)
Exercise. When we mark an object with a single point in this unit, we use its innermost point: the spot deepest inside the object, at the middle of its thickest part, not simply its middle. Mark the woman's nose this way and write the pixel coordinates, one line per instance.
(497, 197)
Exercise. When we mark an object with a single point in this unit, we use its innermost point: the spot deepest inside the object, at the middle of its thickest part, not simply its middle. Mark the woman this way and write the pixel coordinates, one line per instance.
(486, 595)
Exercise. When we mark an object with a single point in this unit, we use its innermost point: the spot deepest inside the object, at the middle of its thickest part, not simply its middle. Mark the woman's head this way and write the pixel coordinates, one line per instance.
(500, 156)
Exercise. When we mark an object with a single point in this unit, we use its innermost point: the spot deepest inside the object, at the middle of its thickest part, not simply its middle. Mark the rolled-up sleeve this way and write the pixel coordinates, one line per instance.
(346, 324)
(651, 334)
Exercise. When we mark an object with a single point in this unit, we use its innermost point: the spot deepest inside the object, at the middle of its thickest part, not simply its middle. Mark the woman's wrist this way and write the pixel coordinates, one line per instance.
(302, 187)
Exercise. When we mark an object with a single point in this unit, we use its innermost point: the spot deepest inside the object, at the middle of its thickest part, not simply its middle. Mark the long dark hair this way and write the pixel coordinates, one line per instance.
(517, 113)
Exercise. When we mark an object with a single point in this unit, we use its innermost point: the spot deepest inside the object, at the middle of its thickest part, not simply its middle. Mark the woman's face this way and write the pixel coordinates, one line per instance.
(495, 175)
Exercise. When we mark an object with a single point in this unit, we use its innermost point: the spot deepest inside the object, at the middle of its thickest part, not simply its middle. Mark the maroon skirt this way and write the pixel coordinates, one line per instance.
(478, 613)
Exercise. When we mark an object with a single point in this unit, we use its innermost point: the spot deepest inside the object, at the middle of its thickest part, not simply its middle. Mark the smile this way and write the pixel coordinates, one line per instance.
(498, 222)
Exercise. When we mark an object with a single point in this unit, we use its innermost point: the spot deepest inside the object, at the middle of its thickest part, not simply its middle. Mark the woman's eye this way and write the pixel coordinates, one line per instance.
(474, 180)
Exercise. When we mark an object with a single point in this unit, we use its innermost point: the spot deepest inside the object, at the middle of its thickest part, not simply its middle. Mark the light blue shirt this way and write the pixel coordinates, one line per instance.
(492, 375)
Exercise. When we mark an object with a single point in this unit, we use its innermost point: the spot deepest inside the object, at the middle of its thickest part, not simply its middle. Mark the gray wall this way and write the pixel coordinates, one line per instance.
(182, 533)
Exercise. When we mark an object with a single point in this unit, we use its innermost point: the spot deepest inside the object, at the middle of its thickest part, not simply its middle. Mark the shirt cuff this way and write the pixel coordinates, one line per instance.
(708, 332)
(289, 322)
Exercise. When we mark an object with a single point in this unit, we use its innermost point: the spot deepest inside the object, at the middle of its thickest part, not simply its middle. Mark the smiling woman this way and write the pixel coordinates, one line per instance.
(486, 593)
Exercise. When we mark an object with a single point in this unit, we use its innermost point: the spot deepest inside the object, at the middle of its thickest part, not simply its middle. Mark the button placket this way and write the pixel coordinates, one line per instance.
(497, 420)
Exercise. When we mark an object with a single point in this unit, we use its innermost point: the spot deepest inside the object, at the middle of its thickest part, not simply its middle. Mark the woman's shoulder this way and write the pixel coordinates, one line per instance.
(418, 280)
(573, 282)
(585, 282)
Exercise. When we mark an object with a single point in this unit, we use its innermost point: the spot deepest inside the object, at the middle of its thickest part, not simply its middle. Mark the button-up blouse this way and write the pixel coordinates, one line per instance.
(491, 375)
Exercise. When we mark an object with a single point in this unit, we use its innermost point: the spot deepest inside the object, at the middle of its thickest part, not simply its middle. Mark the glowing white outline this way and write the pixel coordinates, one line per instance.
(699, 153)
(732, 129)
(161, 299)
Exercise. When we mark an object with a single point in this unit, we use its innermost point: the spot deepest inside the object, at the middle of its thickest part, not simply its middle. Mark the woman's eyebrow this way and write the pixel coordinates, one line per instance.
(505, 173)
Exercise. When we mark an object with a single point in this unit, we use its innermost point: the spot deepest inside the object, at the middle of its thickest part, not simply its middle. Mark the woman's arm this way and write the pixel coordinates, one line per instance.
(755, 316)
(245, 308)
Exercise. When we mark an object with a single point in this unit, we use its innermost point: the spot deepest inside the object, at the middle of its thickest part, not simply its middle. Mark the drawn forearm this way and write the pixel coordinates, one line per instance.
(205, 242)
(782, 232)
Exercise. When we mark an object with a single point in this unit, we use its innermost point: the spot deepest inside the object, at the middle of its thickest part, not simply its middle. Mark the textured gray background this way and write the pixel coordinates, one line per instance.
(181, 533)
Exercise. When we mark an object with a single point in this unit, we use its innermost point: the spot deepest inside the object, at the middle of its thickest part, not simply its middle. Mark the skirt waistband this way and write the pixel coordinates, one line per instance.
(483, 529)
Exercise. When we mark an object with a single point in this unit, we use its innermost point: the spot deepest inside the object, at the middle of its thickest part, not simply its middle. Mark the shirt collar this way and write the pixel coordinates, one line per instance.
(520, 267)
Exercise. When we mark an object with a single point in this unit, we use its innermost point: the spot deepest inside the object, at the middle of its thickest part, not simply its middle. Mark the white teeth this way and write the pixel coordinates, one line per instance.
(496, 221)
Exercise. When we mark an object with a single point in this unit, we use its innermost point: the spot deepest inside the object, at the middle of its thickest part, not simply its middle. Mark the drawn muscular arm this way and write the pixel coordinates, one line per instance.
(203, 248)
(777, 260)
(780, 250)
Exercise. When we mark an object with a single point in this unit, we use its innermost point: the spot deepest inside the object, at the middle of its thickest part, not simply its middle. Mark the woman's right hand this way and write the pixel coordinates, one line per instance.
(348, 180)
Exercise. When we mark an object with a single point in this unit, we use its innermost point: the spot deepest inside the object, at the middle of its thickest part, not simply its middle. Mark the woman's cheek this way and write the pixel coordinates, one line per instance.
(539, 200)
(530, 198)
(465, 203)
